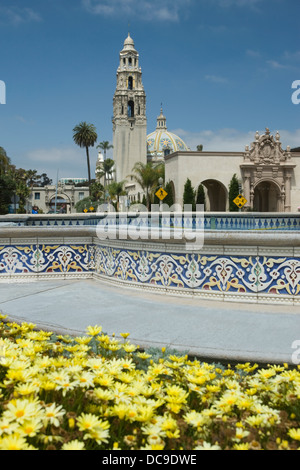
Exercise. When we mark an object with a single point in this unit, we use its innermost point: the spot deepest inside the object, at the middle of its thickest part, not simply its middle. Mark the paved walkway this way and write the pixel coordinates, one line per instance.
(209, 329)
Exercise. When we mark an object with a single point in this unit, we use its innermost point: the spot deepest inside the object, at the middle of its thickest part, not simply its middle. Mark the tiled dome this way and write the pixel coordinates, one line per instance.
(161, 141)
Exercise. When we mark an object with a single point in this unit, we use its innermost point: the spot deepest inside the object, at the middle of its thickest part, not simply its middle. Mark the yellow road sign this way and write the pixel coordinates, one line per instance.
(240, 201)
(161, 194)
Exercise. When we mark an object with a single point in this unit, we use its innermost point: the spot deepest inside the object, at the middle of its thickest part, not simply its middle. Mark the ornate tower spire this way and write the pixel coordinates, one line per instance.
(161, 121)
(129, 113)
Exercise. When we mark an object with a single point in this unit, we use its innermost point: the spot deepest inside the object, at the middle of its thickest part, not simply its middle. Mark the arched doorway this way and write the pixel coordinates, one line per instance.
(267, 197)
(216, 196)
(63, 204)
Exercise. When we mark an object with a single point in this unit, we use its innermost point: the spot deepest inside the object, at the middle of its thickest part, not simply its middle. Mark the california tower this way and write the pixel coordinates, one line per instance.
(129, 115)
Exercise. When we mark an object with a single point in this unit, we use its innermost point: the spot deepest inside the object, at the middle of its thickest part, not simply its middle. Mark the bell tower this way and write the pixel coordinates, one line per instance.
(129, 115)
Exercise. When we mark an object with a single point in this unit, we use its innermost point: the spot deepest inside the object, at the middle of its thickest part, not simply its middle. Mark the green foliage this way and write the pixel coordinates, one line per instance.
(200, 199)
(169, 199)
(234, 191)
(105, 145)
(7, 186)
(87, 203)
(147, 176)
(85, 135)
(189, 194)
(106, 169)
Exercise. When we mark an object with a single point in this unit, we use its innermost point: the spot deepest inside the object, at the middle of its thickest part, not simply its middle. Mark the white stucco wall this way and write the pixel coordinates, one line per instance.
(201, 166)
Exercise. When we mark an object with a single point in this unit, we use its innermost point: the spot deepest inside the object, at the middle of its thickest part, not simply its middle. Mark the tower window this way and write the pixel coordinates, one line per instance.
(130, 109)
(130, 61)
(130, 83)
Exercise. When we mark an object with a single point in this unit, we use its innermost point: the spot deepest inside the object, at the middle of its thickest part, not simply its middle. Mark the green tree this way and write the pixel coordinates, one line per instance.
(189, 194)
(147, 176)
(86, 203)
(116, 190)
(106, 169)
(169, 199)
(85, 136)
(7, 186)
(20, 177)
(200, 198)
(105, 145)
(4, 161)
(32, 178)
(234, 190)
(97, 191)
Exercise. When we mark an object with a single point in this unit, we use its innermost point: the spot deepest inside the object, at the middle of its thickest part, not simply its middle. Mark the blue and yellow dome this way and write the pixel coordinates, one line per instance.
(162, 142)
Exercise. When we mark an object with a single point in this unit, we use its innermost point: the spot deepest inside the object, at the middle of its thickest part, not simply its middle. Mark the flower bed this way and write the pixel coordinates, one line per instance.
(97, 392)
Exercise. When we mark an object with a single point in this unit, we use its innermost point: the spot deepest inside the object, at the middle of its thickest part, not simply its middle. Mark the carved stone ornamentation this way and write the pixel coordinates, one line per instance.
(269, 169)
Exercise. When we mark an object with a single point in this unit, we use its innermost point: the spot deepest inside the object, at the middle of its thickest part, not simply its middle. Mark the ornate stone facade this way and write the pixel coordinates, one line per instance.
(129, 115)
(269, 176)
(267, 171)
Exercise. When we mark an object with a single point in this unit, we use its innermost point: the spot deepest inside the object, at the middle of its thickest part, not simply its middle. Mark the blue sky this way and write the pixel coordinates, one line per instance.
(222, 69)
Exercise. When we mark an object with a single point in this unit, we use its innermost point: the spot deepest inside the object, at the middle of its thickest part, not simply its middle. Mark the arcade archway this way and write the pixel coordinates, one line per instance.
(216, 196)
(267, 197)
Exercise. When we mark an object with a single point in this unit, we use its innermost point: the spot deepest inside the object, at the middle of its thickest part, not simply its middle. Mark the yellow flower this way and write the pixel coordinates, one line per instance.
(294, 433)
(196, 419)
(94, 330)
(73, 445)
(85, 379)
(30, 428)
(26, 389)
(143, 355)
(53, 414)
(129, 348)
(14, 442)
(241, 446)
(21, 410)
(7, 427)
(124, 335)
(71, 423)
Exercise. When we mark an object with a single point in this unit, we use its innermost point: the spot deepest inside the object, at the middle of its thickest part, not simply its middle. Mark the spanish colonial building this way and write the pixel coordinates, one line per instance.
(269, 175)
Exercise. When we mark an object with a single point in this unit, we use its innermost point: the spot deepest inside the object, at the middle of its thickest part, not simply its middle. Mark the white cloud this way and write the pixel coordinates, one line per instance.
(69, 161)
(216, 79)
(276, 65)
(162, 10)
(16, 15)
(232, 140)
(252, 53)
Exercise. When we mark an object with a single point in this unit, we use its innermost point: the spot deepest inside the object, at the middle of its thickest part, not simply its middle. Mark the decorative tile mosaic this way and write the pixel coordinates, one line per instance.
(239, 274)
(162, 268)
(25, 259)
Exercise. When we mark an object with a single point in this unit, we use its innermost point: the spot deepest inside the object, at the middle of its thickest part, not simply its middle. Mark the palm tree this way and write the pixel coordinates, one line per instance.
(4, 160)
(147, 176)
(116, 189)
(105, 145)
(107, 169)
(85, 135)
